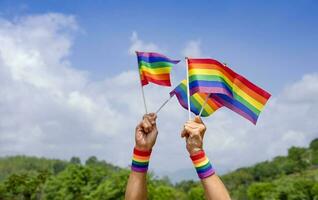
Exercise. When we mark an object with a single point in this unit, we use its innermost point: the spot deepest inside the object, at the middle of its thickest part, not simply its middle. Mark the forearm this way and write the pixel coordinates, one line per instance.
(137, 183)
(213, 187)
(136, 186)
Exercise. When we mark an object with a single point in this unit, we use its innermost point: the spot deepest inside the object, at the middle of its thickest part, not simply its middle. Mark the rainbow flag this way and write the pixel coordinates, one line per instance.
(155, 68)
(227, 87)
(196, 100)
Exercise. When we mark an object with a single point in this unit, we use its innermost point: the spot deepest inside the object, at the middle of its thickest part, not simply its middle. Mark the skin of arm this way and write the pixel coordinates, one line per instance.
(145, 138)
(193, 132)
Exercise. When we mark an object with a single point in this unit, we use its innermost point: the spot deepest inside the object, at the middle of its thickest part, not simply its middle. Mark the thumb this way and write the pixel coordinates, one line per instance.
(198, 119)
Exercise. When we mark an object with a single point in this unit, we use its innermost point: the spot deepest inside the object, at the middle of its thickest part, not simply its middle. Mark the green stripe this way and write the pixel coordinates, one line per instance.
(209, 78)
(199, 107)
(195, 102)
(204, 166)
(218, 78)
(246, 103)
(156, 64)
(184, 87)
(204, 111)
(140, 163)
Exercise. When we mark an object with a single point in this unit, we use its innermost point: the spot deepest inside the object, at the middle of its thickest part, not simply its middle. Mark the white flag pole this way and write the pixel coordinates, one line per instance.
(206, 100)
(164, 103)
(142, 88)
(188, 88)
(143, 97)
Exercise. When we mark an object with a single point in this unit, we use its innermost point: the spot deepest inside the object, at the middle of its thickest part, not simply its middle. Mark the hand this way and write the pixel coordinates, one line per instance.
(146, 132)
(193, 132)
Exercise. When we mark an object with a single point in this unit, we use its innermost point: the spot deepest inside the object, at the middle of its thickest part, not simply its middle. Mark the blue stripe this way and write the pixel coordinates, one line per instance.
(211, 84)
(238, 105)
(139, 165)
(206, 168)
(152, 59)
(182, 96)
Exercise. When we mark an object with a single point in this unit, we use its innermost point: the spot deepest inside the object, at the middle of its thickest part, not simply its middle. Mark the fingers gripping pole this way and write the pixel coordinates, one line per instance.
(188, 89)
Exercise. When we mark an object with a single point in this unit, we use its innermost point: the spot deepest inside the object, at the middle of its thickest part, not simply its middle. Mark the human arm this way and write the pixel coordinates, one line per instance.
(193, 132)
(145, 138)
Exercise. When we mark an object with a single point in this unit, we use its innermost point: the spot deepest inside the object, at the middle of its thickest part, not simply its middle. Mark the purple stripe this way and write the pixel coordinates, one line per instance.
(150, 54)
(156, 55)
(207, 173)
(139, 169)
(235, 109)
(210, 90)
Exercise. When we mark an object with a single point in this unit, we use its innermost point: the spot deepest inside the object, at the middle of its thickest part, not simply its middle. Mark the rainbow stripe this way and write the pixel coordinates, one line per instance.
(140, 161)
(196, 100)
(202, 165)
(227, 87)
(155, 68)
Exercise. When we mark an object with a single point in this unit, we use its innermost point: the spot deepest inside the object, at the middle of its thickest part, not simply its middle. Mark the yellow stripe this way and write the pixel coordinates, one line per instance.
(163, 70)
(210, 72)
(247, 98)
(235, 88)
(201, 163)
(207, 107)
(140, 160)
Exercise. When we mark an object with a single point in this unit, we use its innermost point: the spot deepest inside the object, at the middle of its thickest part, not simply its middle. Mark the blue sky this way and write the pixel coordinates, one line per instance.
(67, 91)
(264, 40)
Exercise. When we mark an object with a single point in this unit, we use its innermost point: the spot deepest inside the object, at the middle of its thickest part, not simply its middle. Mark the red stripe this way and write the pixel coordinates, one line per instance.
(246, 82)
(159, 82)
(197, 156)
(141, 153)
(156, 76)
(144, 82)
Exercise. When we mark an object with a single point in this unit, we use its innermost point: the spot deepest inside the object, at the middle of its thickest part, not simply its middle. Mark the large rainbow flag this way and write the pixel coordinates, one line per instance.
(155, 68)
(196, 101)
(227, 87)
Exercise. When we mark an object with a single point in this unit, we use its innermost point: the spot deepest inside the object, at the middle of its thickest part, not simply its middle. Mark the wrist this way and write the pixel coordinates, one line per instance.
(194, 151)
(202, 164)
(140, 160)
(142, 148)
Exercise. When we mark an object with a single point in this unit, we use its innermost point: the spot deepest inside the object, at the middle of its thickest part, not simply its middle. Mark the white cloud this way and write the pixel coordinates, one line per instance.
(192, 49)
(49, 108)
(139, 45)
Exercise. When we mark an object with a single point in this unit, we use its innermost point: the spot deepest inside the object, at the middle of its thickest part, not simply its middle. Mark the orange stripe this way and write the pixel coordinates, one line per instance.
(141, 157)
(210, 101)
(200, 160)
(237, 82)
(156, 76)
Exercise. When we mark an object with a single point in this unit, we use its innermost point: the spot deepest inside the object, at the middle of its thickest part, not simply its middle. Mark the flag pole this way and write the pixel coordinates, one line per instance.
(164, 103)
(142, 88)
(143, 97)
(206, 100)
(188, 88)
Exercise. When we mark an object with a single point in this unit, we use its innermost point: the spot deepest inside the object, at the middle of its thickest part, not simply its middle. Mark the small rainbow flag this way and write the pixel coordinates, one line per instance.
(227, 87)
(155, 68)
(196, 101)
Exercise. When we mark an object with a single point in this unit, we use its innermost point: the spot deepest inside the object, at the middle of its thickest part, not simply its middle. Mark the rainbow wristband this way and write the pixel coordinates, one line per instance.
(202, 165)
(140, 160)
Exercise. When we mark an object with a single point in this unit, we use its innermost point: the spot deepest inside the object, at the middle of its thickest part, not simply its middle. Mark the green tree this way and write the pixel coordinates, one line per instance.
(314, 191)
(112, 188)
(91, 161)
(75, 160)
(196, 193)
(261, 191)
(314, 144)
